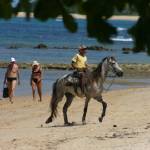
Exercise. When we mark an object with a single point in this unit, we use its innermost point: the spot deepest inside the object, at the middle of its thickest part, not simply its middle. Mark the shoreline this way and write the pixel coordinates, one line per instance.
(3, 64)
(78, 16)
(129, 69)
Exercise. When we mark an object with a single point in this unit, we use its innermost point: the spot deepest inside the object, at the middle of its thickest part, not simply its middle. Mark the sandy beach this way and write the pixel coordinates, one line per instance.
(125, 127)
(78, 16)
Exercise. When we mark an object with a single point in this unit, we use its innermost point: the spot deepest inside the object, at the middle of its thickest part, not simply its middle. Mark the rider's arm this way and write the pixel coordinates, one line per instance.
(74, 60)
(73, 65)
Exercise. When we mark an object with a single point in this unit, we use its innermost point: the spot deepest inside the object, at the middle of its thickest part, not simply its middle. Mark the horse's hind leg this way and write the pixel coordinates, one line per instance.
(53, 111)
(53, 104)
(50, 119)
(65, 108)
(104, 105)
(85, 110)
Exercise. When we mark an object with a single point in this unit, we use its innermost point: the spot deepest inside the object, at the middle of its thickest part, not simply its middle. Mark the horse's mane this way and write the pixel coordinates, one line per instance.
(97, 71)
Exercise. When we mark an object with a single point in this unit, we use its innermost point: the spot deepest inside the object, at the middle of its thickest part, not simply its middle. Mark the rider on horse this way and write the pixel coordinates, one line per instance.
(79, 64)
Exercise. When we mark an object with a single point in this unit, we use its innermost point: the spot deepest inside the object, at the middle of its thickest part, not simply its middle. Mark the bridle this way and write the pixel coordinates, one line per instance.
(111, 63)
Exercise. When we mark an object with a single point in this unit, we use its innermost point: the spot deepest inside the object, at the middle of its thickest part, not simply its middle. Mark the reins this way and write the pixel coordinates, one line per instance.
(111, 83)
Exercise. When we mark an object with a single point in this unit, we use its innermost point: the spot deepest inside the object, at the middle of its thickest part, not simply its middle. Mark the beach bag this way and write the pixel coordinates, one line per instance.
(5, 92)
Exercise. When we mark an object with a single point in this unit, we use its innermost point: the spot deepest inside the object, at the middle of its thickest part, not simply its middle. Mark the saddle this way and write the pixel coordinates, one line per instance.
(77, 78)
(73, 79)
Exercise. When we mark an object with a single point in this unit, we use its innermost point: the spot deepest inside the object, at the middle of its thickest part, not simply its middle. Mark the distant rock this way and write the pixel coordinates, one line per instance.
(41, 46)
(63, 47)
(13, 46)
(127, 50)
(98, 48)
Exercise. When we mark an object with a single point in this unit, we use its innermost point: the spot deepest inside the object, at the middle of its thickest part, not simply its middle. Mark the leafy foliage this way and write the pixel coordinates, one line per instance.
(97, 13)
(5, 9)
(69, 22)
(46, 9)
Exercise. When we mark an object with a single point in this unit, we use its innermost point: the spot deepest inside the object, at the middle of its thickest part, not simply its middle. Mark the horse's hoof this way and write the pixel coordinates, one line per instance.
(48, 120)
(69, 123)
(100, 119)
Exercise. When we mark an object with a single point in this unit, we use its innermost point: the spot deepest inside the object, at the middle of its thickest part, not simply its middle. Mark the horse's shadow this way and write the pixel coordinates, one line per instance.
(73, 124)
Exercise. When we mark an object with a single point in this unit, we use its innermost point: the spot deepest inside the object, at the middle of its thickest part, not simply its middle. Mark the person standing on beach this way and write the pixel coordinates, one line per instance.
(11, 78)
(36, 79)
(79, 64)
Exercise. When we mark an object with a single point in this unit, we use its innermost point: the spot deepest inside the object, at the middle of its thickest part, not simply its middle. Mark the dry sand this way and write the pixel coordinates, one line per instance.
(125, 127)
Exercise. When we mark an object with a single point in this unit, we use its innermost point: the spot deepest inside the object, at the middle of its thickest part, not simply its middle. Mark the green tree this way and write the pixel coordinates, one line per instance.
(97, 13)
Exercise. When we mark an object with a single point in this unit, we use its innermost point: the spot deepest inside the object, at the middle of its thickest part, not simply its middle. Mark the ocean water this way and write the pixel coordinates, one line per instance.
(62, 45)
(27, 34)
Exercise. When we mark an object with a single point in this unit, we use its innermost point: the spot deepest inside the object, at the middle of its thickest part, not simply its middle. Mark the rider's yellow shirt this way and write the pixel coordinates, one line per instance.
(79, 61)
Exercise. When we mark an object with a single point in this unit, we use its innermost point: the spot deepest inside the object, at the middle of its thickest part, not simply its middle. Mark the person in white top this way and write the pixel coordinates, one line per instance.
(11, 78)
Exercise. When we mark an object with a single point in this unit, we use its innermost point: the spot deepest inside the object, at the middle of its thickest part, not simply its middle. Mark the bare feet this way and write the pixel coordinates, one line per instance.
(11, 101)
(34, 98)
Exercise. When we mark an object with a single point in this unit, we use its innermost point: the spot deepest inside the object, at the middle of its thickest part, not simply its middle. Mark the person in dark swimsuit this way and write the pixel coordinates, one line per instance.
(36, 80)
(11, 78)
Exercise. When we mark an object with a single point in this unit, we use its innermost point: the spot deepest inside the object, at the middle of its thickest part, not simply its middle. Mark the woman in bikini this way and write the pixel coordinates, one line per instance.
(11, 78)
(36, 79)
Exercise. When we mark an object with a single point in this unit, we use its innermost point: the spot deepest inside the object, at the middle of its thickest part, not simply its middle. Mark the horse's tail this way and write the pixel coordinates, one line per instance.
(53, 103)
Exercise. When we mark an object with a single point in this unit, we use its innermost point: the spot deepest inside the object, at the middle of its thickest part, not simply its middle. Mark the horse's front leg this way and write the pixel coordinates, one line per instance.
(85, 110)
(104, 105)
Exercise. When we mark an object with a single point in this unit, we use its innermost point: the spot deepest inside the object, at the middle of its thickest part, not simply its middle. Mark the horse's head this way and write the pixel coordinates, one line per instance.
(114, 66)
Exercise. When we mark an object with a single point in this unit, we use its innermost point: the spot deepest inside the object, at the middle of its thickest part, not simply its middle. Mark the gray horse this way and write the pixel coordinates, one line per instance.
(93, 89)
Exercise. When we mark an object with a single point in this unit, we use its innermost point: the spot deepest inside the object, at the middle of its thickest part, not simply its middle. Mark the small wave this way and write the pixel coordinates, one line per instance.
(58, 19)
(121, 29)
(122, 39)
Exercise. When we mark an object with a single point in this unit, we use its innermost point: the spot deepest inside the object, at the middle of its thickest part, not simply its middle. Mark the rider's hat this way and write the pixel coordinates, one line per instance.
(82, 48)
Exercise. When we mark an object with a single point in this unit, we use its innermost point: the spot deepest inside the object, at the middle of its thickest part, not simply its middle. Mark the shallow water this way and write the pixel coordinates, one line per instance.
(49, 76)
